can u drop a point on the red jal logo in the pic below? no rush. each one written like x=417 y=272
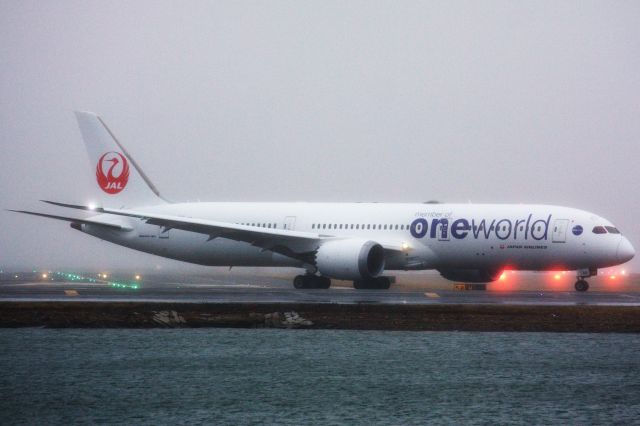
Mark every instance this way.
x=117 y=172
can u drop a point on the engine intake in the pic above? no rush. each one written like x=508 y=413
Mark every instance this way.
x=351 y=259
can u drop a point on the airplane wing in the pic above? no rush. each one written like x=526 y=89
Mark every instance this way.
x=295 y=244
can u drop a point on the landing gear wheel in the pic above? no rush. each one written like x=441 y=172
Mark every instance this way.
x=582 y=285
x=323 y=282
x=300 y=282
x=384 y=283
x=311 y=281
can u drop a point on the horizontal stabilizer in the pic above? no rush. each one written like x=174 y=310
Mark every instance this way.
x=75 y=220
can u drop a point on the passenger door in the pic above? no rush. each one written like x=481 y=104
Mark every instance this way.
x=290 y=223
x=560 y=230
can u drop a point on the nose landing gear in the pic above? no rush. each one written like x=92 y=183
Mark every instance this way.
x=582 y=284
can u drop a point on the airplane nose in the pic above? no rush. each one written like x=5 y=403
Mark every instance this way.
x=625 y=251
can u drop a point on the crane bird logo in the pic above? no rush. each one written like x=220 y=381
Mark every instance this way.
x=117 y=172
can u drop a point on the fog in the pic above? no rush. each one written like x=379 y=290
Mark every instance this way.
x=500 y=102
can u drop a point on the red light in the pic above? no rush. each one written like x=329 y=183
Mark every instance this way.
x=503 y=276
x=613 y=277
x=556 y=276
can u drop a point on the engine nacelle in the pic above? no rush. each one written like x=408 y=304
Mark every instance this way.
x=471 y=275
x=352 y=259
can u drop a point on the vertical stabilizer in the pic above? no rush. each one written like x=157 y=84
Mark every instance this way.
x=119 y=181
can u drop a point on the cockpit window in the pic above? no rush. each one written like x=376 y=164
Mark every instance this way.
x=599 y=230
x=612 y=229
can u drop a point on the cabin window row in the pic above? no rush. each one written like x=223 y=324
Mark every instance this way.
x=260 y=225
x=359 y=226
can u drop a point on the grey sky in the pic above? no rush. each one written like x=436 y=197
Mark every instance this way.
x=532 y=102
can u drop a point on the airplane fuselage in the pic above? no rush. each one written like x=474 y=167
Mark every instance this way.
x=483 y=236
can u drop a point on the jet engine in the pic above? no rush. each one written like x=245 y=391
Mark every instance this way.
x=351 y=259
x=471 y=275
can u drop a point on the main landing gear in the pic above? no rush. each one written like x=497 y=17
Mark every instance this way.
x=311 y=281
x=581 y=284
x=380 y=283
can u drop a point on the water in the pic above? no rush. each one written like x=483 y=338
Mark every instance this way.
x=229 y=376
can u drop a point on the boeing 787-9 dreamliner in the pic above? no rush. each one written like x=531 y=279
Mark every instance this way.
x=361 y=242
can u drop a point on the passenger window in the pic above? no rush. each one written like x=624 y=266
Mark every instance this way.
x=599 y=230
x=369 y=226
x=385 y=227
x=612 y=230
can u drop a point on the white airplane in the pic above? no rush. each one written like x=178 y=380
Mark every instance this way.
x=349 y=241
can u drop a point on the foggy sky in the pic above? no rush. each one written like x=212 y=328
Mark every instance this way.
x=510 y=102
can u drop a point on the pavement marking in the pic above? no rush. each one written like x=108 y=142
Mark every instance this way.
x=432 y=295
x=71 y=293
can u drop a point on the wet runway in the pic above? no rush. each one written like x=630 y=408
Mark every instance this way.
x=267 y=290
